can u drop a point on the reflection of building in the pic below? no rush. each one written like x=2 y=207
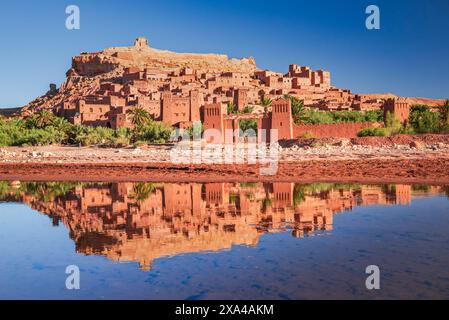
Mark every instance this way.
x=142 y=222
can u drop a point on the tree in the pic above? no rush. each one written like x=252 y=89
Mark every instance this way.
x=248 y=124
x=248 y=109
x=297 y=108
x=61 y=124
x=423 y=120
x=444 y=113
x=43 y=118
x=139 y=116
x=266 y=103
x=231 y=107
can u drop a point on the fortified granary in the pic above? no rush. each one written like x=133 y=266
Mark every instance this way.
x=180 y=89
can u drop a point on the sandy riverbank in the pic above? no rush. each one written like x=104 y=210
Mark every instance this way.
x=402 y=159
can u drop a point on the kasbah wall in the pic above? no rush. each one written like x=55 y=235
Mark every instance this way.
x=339 y=130
x=281 y=119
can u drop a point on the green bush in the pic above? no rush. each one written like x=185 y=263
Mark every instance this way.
x=423 y=120
x=393 y=125
x=328 y=117
x=45 y=129
x=374 y=132
x=153 y=132
x=249 y=124
x=306 y=135
x=248 y=109
x=94 y=136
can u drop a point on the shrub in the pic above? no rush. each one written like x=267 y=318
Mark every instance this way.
x=392 y=124
x=195 y=131
x=306 y=135
x=154 y=132
x=327 y=117
x=249 y=124
x=374 y=132
x=248 y=109
x=94 y=136
x=423 y=120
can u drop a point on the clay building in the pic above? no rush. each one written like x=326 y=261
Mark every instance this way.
x=180 y=89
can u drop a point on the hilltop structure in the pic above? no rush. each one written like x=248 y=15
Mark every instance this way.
x=181 y=88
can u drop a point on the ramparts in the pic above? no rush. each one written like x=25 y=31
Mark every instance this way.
x=339 y=130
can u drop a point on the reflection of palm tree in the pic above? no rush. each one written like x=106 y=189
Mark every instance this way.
x=143 y=190
x=267 y=203
x=446 y=190
x=47 y=191
x=299 y=194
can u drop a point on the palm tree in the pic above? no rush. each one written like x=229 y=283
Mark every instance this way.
x=61 y=124
x=43 y=118
x=31 y=122
x=266 y=103
x=444 y=112
x=231 y=107
x=139 y=116
x=297 y=108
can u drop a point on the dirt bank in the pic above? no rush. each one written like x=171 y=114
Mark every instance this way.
x=431 y=171
x=400 y=159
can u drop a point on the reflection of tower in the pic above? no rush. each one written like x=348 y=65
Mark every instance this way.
x=283 y=195
x=371 y=195
x=178 y=198
x=215 y=194
x=403 y=194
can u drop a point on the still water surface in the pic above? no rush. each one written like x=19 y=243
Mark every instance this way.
x=223 y=240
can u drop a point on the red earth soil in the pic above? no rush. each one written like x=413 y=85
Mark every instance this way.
x=430 y=171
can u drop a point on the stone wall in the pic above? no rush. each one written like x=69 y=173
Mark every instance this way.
x=340 y=130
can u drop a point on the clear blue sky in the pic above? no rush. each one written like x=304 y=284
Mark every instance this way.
x=408 y=56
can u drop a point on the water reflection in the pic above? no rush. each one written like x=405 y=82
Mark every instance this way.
x=145 y=221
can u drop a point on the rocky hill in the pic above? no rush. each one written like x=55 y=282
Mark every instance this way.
x=89 y=70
